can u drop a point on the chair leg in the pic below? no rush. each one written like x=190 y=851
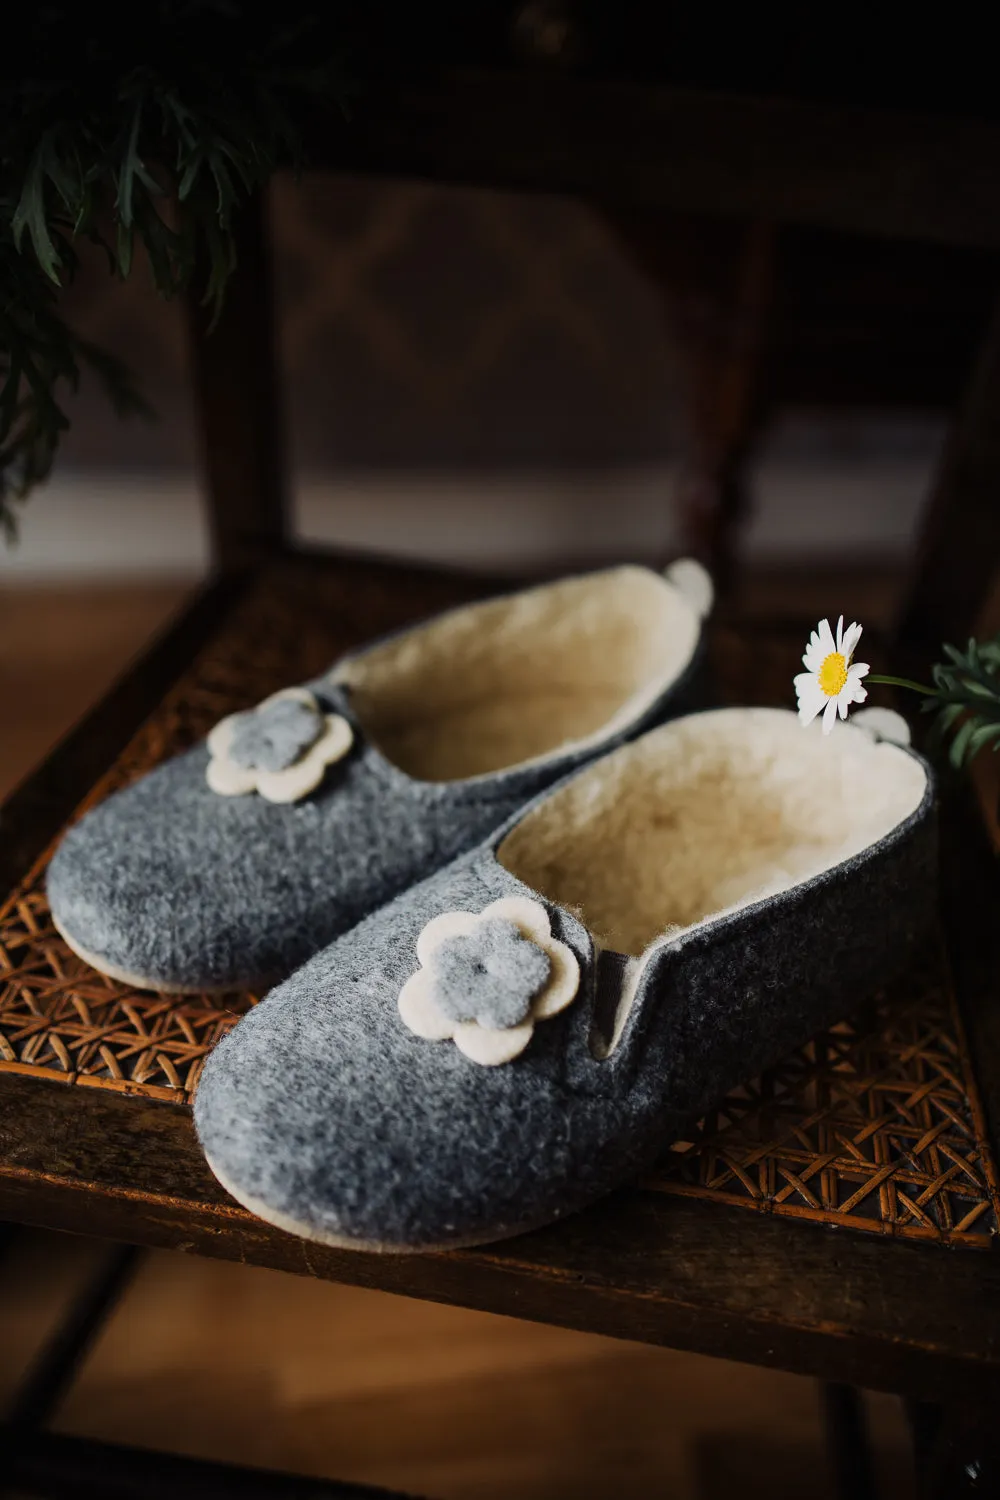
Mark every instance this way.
x=38 y=1462
x=956 y=1451
x=848 y=1442
x=56 y=1367
x=238 y=405
x=60 y=1467
x=716 y=280
x=958 y=552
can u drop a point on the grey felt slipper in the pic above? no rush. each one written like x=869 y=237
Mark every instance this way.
x=235 y=862
x=531 y=1025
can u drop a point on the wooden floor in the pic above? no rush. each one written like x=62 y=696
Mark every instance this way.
x=60 y=649
x=238 y=1363
x=233 y=1362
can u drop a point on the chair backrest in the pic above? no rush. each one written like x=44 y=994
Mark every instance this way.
x=239 y=406
x=958 y=552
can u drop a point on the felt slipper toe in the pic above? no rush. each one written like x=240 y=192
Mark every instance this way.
x=524 y=1030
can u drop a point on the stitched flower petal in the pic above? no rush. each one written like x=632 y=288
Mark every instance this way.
x=230 y=780
x=293 y=695
x=563 y=982
x=491 y=1048
x=298 y=781
x=337 y=740
x=419 y=1010
x=306 y=774
x=448 y=924
x=221 y=737
x=530 y=916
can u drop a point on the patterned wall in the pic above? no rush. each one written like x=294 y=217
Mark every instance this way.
x=421 y=327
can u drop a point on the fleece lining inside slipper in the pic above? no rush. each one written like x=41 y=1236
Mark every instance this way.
x=708 y=814
x=516 y=679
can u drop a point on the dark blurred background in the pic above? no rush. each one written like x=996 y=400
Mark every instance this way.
x=505 y=382
x=515 y=384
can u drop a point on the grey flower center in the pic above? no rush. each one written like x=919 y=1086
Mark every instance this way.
x=490 y=975
x=275 y=736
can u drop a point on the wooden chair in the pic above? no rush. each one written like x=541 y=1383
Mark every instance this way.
x=834 y=1218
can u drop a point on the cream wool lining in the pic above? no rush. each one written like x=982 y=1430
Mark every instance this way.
x=517 y=679
x=705 y=815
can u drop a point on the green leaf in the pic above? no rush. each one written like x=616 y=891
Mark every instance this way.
x=982 y=735
x=30 y=215
x=196 y=106
x=189 y=175
x=960 y=744
x=124 y=244
x=128 y=173
x=947 y=716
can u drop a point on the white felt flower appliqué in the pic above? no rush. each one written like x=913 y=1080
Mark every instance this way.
x=832 y=679
x=486 y=979
x=280 y=749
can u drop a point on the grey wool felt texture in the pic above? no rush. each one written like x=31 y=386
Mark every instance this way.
x=490 y=976
x=324 y=1114
x=456 y=724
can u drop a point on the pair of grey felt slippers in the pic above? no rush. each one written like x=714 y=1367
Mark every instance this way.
x=535 y=922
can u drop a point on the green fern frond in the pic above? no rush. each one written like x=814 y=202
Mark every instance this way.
x=966 y=700
x=150 y=133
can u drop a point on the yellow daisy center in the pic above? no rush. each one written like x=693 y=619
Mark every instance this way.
x=832 y=674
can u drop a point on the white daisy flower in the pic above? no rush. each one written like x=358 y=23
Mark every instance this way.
x=832 y=679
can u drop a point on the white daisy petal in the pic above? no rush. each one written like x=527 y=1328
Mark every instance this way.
x=810 y=697
x=491 y=1048
x=826 y=640
x=852 y=636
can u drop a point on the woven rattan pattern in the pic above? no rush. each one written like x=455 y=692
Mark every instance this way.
x=876 y=1125
x=61 y=1019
